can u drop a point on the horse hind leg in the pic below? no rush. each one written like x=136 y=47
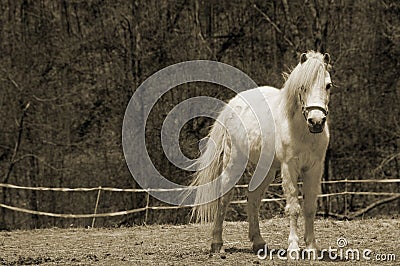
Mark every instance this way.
x=217 y=241
x=222 y=204
x=253 y=208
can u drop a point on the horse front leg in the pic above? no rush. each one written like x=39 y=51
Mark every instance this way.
x=290 y=188
x=253 y=208
x=311 y=189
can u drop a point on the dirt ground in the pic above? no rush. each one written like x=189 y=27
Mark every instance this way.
x=189 y=244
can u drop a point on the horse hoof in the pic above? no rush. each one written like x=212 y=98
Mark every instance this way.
x=216 y=247
x=257 y=247
x=313 y=246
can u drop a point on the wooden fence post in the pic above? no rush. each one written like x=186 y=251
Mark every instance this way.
x=95 y=207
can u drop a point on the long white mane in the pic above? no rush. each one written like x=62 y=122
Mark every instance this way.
x=302 y=77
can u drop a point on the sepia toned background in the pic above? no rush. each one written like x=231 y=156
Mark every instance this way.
x=69 y=68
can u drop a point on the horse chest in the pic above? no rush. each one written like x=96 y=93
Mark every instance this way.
x=301 y=152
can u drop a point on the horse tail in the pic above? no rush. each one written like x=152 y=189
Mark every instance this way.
x=209 y=166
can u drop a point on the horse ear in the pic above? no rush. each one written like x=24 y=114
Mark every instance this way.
x=303 y=58
x=327 y=58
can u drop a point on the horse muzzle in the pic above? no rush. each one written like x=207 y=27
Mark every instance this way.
x=316 y=117
x=316 y=125
x=315 y=129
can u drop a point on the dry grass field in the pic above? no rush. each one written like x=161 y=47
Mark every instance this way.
x=189 y=244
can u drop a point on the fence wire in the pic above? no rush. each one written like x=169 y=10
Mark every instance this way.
x=148 y=207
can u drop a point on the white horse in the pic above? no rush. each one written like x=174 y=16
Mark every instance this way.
x=299 y=111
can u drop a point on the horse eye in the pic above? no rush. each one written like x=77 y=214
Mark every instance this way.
x=328 y=86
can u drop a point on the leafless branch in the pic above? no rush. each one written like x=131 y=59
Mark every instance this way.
x=17 y=143
x=363 y=210
x=60 y=144
x=373 y=205
x=200 y=33
x=386 y=161
x=11 y=79
x=30 y=155
x=274 y=25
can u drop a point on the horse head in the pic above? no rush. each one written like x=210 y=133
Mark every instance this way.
x=314 y=90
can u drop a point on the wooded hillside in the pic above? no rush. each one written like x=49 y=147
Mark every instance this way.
x=69 y=68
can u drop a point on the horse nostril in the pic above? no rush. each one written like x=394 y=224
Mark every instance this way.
x=311 y=121
x=323 y=120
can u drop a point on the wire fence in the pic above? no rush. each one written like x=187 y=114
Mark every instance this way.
x=390 y=196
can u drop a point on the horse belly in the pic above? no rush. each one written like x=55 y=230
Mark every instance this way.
x=255 y=137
